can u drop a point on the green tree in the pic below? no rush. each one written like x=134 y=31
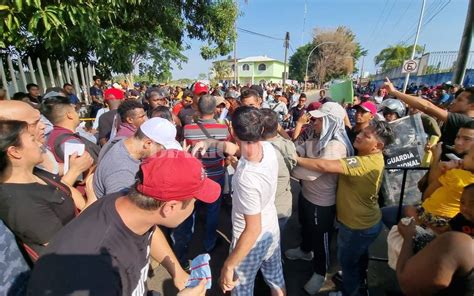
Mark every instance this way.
x=298 y=60
x=202 y=76
x=337 y=58
x=117 y=35
x=328 y=61
x=394 y=55
x=221 y=70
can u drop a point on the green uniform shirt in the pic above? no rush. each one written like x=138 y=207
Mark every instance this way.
x=357 y=191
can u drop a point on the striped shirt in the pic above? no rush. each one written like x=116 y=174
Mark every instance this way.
x=212 y=162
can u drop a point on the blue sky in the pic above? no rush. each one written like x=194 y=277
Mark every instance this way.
x=376 y=23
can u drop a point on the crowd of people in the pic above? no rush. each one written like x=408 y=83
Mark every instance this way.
x=93 y=218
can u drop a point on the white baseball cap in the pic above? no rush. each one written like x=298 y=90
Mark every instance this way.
x=161 y=131
x=329 y=108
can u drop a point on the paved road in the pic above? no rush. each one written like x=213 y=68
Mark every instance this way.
x=381 y=277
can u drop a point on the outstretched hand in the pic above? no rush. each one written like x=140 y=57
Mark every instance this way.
x=407 y=231
x=388 y=85
x=227 y=281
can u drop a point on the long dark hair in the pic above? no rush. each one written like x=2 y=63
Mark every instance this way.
x=10 y=131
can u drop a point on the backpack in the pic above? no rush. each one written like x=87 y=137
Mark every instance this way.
x=92 y=148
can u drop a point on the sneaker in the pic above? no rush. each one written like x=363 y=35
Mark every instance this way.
x=314 y=284
x=297 y=253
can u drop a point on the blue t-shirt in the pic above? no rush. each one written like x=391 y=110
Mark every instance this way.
x=95 y=91
x=73 y=99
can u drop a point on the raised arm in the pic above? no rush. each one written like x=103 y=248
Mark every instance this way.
x=417 y=103
x=321 y=165
x=432 y=269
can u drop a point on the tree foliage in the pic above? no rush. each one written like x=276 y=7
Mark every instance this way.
x=221 y=70
x=117 y=35
x=393 y=56
x=298 y=60
x=335 y=59
x=327 y=61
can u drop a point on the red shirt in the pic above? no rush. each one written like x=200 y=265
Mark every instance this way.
x=56 y=132
x=177 y=108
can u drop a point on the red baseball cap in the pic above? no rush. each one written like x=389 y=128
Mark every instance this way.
x=313 y=106
x=176 y=175
x=200 y=88
x=368 y=106
x=113 y=94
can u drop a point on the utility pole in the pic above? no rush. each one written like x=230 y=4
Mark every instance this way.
x=407 y=78
x=304 y=23
x=236 y=68
x=361 y=70
x=463 y=54
x=286 y=44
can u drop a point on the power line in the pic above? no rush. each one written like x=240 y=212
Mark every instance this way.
x=386 y=18
x=403 y=14
x=291 y=48
x=435 y=5
x=369 y=40
x=430 y=19
x=259 y=34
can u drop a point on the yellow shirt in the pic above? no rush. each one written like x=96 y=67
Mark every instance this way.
x=357 y=191
x=446 y=199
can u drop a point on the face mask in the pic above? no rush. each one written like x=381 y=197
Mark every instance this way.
x=270 y=98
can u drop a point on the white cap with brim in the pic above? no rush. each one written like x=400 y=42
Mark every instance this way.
x=161 y=131
x=329 y=108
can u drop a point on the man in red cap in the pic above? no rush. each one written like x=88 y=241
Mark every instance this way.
x=106 y=250
x=365 y=112
x=188 y=113
x=106 y=117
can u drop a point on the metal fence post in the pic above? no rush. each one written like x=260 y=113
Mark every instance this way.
x=74 y=77
x=67 y=71
x=50 y=73
x=60 y=74
x=4 y=79
x=22 y=72
x=32 y=71
x=85 y=94
x=12 y=72
x=40 y=71
x=91 y=74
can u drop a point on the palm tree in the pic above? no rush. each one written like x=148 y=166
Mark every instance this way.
x=221 y=70
x=393 y=56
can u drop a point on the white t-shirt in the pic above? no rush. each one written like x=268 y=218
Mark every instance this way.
x=255 y=185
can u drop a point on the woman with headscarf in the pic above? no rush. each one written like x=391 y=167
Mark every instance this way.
x=326 y=138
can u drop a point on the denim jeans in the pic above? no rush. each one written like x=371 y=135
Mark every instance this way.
x=353 y=246
x=182 y=234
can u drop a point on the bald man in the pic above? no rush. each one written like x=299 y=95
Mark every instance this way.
x=18 y=110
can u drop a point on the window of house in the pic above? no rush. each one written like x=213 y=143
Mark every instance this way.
x=246 y=67
x=262 y=67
